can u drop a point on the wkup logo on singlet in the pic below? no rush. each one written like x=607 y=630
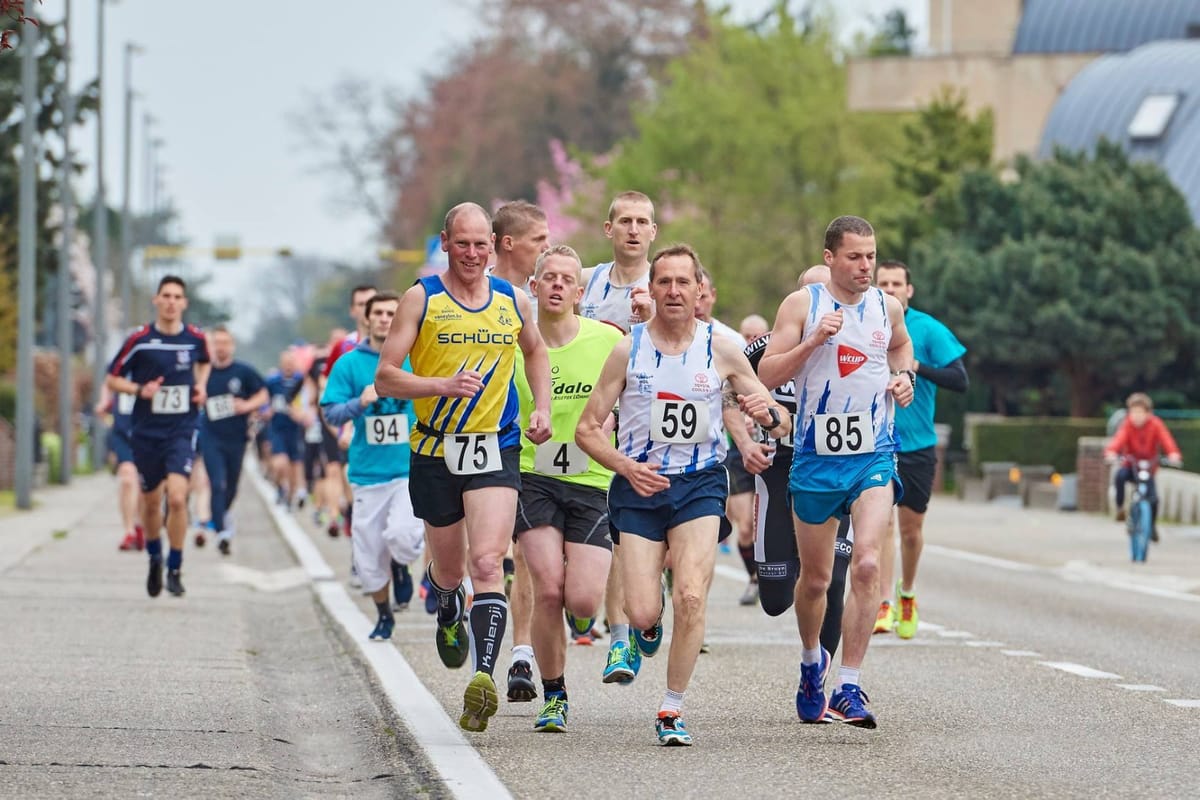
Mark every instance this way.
x=848 y=360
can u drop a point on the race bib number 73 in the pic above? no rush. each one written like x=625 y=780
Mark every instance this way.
x=843 y=434
x=171 y=400
x=678 y=421
x=472 y=453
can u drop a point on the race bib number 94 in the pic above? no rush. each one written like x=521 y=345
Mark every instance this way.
x=171 y=400
x=560 y=458
x=472 y=453
x=843 y=434
x=219 y=407
x=678 y=421
x=387 y=429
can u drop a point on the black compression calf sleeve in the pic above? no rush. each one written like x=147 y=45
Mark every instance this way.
x=746 y=551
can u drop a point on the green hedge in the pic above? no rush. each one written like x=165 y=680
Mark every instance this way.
x=1055 y=440
x=1032 y=440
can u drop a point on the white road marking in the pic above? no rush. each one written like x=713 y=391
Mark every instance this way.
x=726 y=571
x=1184 y=703
x=460 y=766
x=273 y=581
x=991 y=561
x=984 y=644
x=1080 y=670
x=1141 y=687
x=955 y=634
x=1022 y=653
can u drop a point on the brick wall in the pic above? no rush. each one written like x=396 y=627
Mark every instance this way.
x=1093 y=474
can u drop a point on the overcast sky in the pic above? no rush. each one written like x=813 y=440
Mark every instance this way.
x=222 y=78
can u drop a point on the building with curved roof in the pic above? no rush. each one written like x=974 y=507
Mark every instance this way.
x=1103 y=26
x=1148 y=100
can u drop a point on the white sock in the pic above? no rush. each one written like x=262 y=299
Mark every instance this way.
x=619 y=633
x=848 y=675
x=522 y=652
x=812 y=656
x=672 y=703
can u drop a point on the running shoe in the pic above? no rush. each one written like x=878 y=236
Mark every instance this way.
x=810 y=697
x=1121 y=514
x=140 y=537
x=671 y=730
x=649 y=640
x=580 y=629
x=553 y=716
x=175 y=582
x=129 y=543
x=200 y=538
x=508 y=584
x=849 y=704
x=154 y=581
x=402 y=585
x=619 y=668
x=906 y=625
x=453 y=645
x=885 y=620
x=223 y=546
x=430 y=596
x=480 y=702
x=383 y=629
x=520 y=683
x=335 y=528
x=750 y=596
x=355 y=581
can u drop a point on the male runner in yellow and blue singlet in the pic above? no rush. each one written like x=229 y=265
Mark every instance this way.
x=461 y=331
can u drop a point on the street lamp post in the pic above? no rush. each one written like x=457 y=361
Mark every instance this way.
x=99 y=246
x=66 y=386
x=27 y=253
x=125 y=275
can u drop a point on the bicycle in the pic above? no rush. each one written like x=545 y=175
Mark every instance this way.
x=1140 y=522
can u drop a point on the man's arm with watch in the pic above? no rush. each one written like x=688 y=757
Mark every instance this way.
x=123 y=385
x=953 y=376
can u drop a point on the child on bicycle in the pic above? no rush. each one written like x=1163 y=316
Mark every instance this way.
x=1142 y=436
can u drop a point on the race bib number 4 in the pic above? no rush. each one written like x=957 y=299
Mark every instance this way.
x=387 y=429
x=472 y=453
x=219 y=407
x=560 y=458
x=171 y=400
x=843 y=434
x=678 y=421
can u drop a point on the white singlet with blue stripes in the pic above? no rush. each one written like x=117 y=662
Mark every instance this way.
x=607 y=302
x=848 y=375
x=671 y=405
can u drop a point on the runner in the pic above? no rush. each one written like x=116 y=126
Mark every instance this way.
x=463 y=329
x=848 y=370
x=937 y=360
x=753 y=327
x=165 y=364
x=617 y=292
x=670 y=483
x=521 y=236
x=120 y=451
x=285 y=425
x=387 y=537
x=562 y=513
x=235 y=390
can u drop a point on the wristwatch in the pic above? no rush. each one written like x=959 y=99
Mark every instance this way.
x=775 y=420
x=912 y=376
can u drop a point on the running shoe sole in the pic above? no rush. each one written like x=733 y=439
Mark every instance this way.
x=480 y=701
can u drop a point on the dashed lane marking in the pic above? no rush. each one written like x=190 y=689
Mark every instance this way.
x=1184 y=703
x=1022 y=653
x=984 y=644
x=1080 y=670
x=1141 y=687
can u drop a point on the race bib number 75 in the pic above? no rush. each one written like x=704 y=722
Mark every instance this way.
x=843 y=434
x=472 y=453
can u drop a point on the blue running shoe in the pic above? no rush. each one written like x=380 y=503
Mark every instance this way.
x=383 y=629
x=849 y=704
x=553 y=716
x=580 y=628
x=649 y=640
x=430 y=596
x=619 y=669
x=811 y=703
x=671 y=730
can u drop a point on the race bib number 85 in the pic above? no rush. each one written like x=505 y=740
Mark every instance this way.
x=678 y=421
x=171 y=400
x=472 y=453
x=843 y=434
x=219 y=407
x=387 y=429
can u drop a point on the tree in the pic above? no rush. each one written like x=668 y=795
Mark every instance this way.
x=749 y=153
x=13 y=12
x=1085 y=267
x=893 y=35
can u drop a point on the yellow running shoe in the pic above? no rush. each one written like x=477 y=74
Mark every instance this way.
x=906 y=625
x=480 y=701
x=885 y=620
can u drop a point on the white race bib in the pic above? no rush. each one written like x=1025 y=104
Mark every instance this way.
x=279 y=404
x=843 y=434
x=386 y=429
x=560 y=458
x=472 y=453
x=125 y=403
x=171 y=400
x=219 y=407
x=679 y=421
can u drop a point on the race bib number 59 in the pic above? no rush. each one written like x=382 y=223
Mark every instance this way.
x=472 y=453
x=678 y=421
x=843 y=434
